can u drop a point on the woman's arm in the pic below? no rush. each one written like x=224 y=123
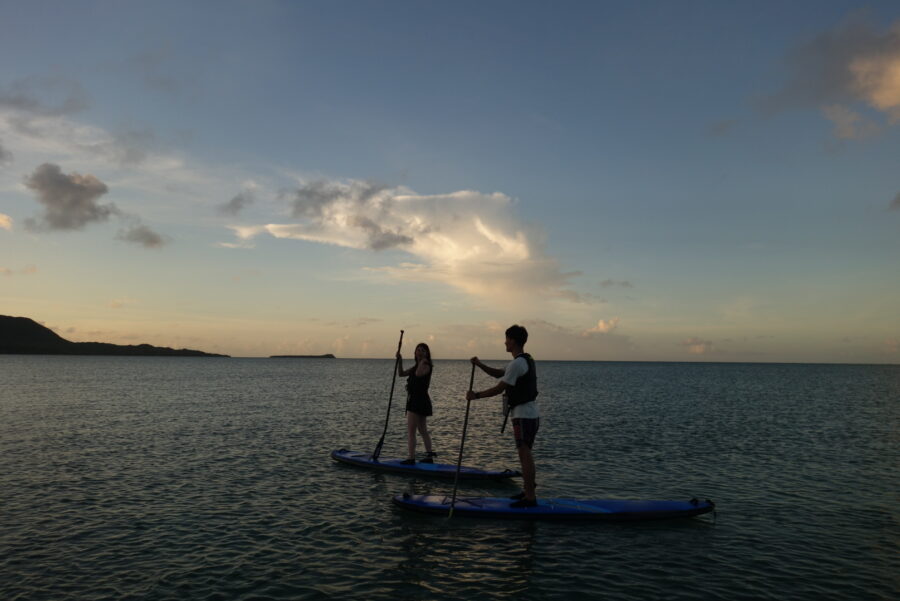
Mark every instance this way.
x=422 y=368
x=400 y=370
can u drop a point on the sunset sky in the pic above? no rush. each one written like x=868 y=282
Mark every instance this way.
x=661 y=181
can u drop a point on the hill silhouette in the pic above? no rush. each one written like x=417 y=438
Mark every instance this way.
x=21 y=335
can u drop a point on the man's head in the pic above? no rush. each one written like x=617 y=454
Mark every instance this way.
x=516 y=337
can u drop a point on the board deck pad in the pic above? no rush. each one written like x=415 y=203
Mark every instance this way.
x=438 y=470
x=556 y=508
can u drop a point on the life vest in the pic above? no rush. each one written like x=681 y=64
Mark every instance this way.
x=525 y=389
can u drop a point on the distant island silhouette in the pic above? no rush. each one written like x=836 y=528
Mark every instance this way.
x=325 y=356
x=24 y=336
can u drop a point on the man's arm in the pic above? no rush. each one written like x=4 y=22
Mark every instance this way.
x=491 y=371
x=492 y=391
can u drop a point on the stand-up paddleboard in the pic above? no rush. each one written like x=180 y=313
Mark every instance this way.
x=556 y=509
x=437 y=470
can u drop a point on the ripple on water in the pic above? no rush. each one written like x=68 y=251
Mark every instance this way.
x=211 y=480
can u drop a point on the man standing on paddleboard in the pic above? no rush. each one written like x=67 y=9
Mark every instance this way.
x=518 y=383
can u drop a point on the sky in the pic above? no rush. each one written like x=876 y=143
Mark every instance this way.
x=631 y=181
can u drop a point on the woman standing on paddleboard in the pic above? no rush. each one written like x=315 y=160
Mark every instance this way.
x=418 y=403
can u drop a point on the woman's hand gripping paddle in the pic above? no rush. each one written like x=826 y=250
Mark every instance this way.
x=380 y=444
x=462 y=442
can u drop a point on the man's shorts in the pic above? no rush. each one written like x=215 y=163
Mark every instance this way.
x=524 y=430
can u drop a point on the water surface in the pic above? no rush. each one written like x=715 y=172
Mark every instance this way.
x=199 y=478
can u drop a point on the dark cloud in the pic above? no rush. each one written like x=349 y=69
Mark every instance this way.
x=44 y=96
x=161 y=71
x=234 y=206
x=359 y=203
x=721 y=128
x=895 y=204
x=70 y=200
x=143 y=235
x=378 y=238
x=313 y=199
x=127 y=147
x=6 y=156
x=826 y=70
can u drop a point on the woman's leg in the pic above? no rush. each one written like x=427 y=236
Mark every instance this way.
x=423 y=430
x=412 y=423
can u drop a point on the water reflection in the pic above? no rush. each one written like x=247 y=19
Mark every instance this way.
x=471 y=557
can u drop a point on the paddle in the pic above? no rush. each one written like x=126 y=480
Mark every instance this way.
x=390 y=400
x=462 y=442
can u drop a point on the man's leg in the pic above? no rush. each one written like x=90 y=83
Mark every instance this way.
x=526 y=458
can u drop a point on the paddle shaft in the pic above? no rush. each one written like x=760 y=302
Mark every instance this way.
x=380 y=444
x=462 y=443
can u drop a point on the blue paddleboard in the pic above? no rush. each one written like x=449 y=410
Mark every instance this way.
x=556 y=509
x=438 y=470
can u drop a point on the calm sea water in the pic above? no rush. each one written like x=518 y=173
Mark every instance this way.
x=182 y=478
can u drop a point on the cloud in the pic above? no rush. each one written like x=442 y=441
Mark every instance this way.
x=696 y=346
x=6 y=156
x=245 y=235
x=27 y=270
x=364 y=208
x=234 y=206
x=70 y=201
x=5 y=222
x=581 y=297
x=467 y=239
x=602 y=327
x=895 y=204
x=49 y=96
x=159 y=70
x=854 y=63
x=359 y=322
x=141 y=234
x=848 y=124
x=620 y=283
x=723 y=127
x=118 y=303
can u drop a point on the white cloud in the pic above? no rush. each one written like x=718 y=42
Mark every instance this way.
x=129 y=161
x=467 y=239
x=603 y=326
x=118 y=303
x=696 y=346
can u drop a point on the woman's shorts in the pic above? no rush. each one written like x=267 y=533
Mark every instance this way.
x=422 y=406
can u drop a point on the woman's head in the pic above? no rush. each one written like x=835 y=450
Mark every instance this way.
x=423 y=352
